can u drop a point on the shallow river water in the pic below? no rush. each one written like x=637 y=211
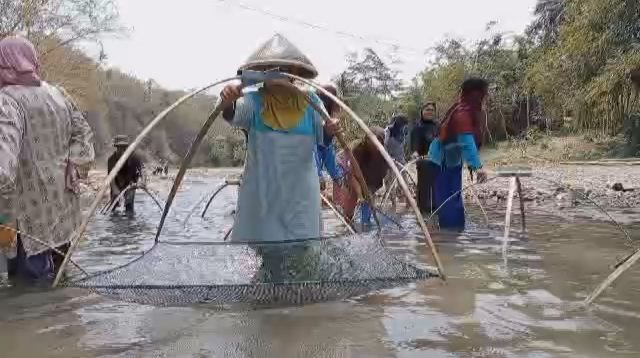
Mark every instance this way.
x=529 y=306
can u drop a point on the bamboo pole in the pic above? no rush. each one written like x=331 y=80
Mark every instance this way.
x=612 y=277
x=338 y=214
x=522 y=214
x=507 y=218
x=186 y=162
x=75 y=238
x=213 y=196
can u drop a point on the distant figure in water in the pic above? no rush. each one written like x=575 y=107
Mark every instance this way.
x=458 y=142
x=46 y=146
x=130 y=174
x=279 y=196
x=394 y=142
x=374 y=169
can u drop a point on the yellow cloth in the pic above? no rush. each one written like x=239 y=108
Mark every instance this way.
x=282 y=109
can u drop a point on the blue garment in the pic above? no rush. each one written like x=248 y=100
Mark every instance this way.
x=365 y=213
x=35 y=269
x=455 y=152
x=326 y=159
x=450 y=158
x=278 y=199
x=449 y=183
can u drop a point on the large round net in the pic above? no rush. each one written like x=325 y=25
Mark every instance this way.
x=274 y=273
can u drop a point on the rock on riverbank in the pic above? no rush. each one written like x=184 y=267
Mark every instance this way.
x=574 y=185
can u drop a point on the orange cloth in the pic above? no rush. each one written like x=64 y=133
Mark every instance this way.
x=7 y=236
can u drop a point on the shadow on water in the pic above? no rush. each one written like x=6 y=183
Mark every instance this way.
x=530 y=307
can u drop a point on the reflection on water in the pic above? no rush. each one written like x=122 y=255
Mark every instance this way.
x=529 y=307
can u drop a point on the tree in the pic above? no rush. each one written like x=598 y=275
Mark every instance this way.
x=550 y=15
x=51 y=24
x=370 y=87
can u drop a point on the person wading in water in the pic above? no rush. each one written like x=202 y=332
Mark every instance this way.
x=459 y=140
x=394 y=142
x=279 y=196
x=131 y=173
x=423 y=133
x=46 y=145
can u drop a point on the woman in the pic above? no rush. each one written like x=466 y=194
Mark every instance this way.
x=278 y=199
x=374 y=169
x=422 y=135
x=44 y=139
x=459 y=140
x=394 y=141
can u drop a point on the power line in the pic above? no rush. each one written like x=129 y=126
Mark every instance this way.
x=310 y=25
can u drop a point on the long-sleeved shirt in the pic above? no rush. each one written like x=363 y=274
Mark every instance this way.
x=422 y=134
x=41 y=130
x=130 y=173
x=458 y=143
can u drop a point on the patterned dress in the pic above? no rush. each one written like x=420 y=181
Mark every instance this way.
x=41 y=130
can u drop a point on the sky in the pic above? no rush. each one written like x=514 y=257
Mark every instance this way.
x=189 y=43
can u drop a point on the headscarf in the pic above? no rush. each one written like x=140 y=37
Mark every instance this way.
x=19 y=63
x=425 y=105
x=469 y=121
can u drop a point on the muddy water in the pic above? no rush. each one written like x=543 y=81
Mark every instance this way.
x=526 y=307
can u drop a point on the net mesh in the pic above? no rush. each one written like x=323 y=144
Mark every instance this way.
x=276 y=273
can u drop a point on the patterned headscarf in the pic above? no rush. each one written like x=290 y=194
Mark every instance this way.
x=19 y=63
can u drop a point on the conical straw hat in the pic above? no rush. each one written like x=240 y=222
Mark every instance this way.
x=280 y=52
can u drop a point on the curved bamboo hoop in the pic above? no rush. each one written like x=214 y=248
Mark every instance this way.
x=390 y=163
x=75 y=239
x=404 y=169
x=226 y=236
x=202 y=199
x=206 y=207
x=133 y=186
x=107 y=208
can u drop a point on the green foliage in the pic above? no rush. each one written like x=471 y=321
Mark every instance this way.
x=370 y=87
x=586 y=73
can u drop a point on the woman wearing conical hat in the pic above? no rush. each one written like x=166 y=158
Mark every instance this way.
x=279 y=197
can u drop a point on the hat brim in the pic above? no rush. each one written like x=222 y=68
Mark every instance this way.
x=304 y=70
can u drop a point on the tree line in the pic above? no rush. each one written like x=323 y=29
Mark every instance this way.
x=569 y=71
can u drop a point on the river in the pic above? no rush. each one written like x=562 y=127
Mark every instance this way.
x=529 y=306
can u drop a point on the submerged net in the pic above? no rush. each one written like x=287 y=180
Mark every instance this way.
x=275 y=273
